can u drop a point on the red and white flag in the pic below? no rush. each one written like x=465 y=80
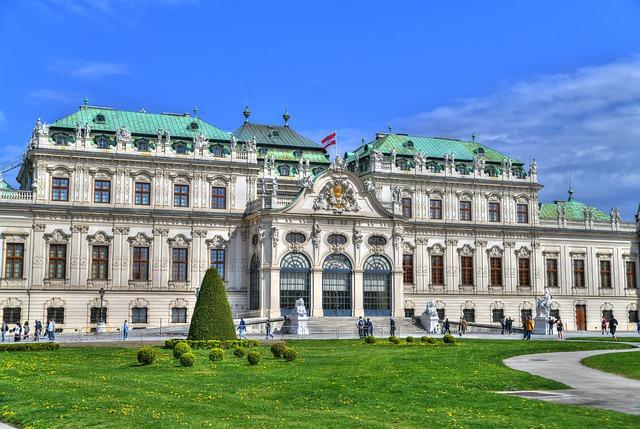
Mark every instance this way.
x=329 y=140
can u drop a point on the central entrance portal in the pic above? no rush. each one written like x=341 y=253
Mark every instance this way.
x=336 y=286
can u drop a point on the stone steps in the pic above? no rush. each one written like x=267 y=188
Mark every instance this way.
x=347 y=326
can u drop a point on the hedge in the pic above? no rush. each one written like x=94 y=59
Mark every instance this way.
x=28 y=347
x=213 y=344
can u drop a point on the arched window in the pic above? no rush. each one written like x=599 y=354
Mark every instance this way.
x=181 y=148
x=336 y=285
x=217 y=150
x=336 y=239
x=295 y=238
x=284 y=170
x=377 y=286
x=102 y=142
x=377 y=240
x=142 y=145
x=254 y=283
x=295 y=282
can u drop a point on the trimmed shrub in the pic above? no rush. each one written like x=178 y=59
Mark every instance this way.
x=211 y=318
x=187 y=359
x=253 y=357
x=146 y=355
x=28 y=347
x=394 y=340
x=252 y=343
x=424 y=338
x=216 y=355
x=449 y=339
x=168 y=344
x=289 y=354
x=370 y=339
x=238 y=352
x=277 y=349
x=181 y=348
x=409 y=339
x=429 y=340
x=209 y=344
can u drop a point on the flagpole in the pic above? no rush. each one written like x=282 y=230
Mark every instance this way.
x=336 y=143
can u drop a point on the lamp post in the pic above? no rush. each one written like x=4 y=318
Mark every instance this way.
x=101 y=326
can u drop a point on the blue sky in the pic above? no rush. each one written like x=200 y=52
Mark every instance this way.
x=555 y=81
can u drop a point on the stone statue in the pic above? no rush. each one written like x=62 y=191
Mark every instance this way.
x=357 y=237
x=431 y=309
x=275 y=186
x=123 y=135
x=315 y=233
x=251 y=145
x=233 y=143
x=300 y=308
x=533 y=167
x=369 y=186
x=306 y=181
x=397 y=192
x=394 y=154
x=543 y=305
x=299 y=319
x=377 y=155
x=261 y=233
x=429 y=319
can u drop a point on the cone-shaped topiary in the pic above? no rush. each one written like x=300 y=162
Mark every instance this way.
x=211 y=318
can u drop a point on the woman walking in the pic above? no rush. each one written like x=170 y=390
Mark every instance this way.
x=560 y=329
x=25 y=330
x=17 y=332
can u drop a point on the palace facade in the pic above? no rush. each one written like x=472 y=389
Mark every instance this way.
x=138 y=205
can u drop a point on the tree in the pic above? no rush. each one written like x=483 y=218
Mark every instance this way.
x=211 y=318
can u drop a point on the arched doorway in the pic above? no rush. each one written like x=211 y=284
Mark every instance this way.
x=295 y=282
x=254 y=283
x=336 y=286
x=377 y=286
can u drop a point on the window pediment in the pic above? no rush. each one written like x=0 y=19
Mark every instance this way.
x=140 y=239
x=495 y=251
x=217 y=242
x=99 y=237
x=436 y=249
x=179 y=241
x=57 y=236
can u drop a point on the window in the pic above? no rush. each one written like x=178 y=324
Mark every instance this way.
x=466 y=270
x=218 y=198
x=60 y=189
x=497 y=314
x=217 y=150
x=555 y=313
x=605 y=274
x=496 y=271
x=578 y=273
x=524 y=269
x=607 y=314
x=523 y=213
x=139 y=314
x=14 y=261
x=435 y=208
x=633 y=316
x=100 y=263
x=56 y=314
x=406 y=207
x=631 y=274
x=178 y=315
x=284 y=170
x=140 y=263
x=465 y=210
x=336 y=239
x=142 y=145
x=552 y=273
x=469 y=314
x=95 y=315
x=377 y=240
x=179 y=264
x=103 y=142
x=407 y=268
x=217 y=261
x=525 y=314
x=181 y=195
x=99 y=119
x=437 y=269
x=57 y=261
x=181 y=148
x=143 y=194
x=295 y=238
x=494 y=212
x=61 y=139
x=102 y=191
x=11 y=315
x=193 y=126
x=441 y=313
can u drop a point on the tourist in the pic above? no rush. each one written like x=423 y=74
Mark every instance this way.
x=125 y=331
x=360 y=325
x=551 y=323
x=269 y=334
x=38 y=331
x=528 y=328
x=369 y=327
x=503 y=323
x=509 y=323
x=603 y=326
x=242 y=329
x=464 y=325
x=613 y=325
x=447 y=327
x=392 y=327
x=51 y=330
x=25 y=330
x=560 y=329
x=638 y=326
x=4 y=329
x=17 y=331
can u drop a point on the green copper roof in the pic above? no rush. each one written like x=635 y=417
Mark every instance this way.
x=573 y=210
x=142 y=123
x=273 y=135
x=4 y=185
x=281 y=154
x=432 y=147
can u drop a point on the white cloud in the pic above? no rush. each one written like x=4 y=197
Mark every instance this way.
x=88 y=70
x=585 y=123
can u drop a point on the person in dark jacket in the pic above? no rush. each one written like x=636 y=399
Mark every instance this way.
x=369 y=327
x=360 y=325
x=447 y=327
x=392 y=327
x=613 y=326
x=509 y=323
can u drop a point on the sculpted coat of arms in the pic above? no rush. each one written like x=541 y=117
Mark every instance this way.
x=337 y=195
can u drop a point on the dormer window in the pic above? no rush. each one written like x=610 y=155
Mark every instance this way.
x=297 y=153
x=480 y=151
x=217 y=150
x=61 y=139
x=275 y=133
x=103 y=142
x=142 y=145
x=284 y=170
x=99 y=119
x=181 y=148
x=193 y=126
x=263 y=151
x=409 y=144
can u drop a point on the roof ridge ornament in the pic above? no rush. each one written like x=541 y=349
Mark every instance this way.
x=246 y=113
x=286 y=116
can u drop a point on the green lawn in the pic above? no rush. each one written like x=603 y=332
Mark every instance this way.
x=626 y=364
x=332 y=384
x=606 y=338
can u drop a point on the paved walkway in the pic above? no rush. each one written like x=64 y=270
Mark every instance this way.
x=590 y=387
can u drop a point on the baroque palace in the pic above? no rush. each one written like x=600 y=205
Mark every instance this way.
x=138 y=205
